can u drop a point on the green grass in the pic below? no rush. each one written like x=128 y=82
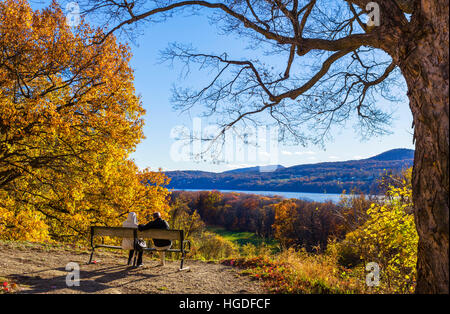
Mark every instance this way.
x=241 y=238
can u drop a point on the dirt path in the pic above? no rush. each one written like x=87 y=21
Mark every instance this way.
x=40 y=269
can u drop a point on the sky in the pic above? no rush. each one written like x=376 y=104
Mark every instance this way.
x=153 y=82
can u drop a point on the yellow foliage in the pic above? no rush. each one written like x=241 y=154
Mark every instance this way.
x=69 y=121
x=389 y=238
x=285 y=217
x=210 y=246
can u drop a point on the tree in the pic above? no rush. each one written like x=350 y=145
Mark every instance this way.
x=69 y=119
x=285 y=228
x=353 y=62
x=182 y=218
x=389 y=236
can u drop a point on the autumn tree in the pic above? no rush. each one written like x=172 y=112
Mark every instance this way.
x=352 y=210
x=284 y=226
x=307 y=225
x=389 y=236
x=183 y=218
x=69 y=119
x=340 y=58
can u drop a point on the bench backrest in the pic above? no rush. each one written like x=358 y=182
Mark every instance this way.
x=122 y=232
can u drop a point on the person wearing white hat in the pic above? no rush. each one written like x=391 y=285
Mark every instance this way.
x=128 y=243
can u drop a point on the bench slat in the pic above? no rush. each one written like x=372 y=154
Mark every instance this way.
x=168 y=250
x=160 y=234
x=108 y=246
x=114 y=232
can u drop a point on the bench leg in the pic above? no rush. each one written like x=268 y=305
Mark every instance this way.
x=90 y=258
x=181 y=265
x=163 y=258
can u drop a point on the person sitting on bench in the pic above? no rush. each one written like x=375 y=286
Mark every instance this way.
x=160 y=244
x=128 y=243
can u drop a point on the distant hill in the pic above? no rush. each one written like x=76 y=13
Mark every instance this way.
x=325 y=177
x=395 y=154
x=255 y=169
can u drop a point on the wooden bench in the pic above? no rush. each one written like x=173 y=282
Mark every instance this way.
x=134 y=233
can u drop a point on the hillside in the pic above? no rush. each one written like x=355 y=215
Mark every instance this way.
x=329 y=177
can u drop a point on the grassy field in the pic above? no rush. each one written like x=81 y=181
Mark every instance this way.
x=243 y=238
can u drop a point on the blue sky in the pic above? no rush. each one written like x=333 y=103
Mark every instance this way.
x=153 y=82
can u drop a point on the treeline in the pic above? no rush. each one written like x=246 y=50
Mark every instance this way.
x=295 y=223
x=234 y=211
x=328 y=183
x=329 y=177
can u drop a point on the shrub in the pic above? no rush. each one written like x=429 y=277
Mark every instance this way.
x=298 y=272
x=248 y=250
x=212 y=247
x=345 y=253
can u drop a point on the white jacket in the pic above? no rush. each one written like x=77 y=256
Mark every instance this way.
x=131 y=222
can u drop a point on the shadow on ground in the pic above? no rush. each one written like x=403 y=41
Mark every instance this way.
x=91 y=281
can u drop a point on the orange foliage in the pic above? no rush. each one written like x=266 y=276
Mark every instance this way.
x=69 y=119
x=285 y=219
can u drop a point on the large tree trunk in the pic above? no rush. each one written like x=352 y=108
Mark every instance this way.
x=425 y=66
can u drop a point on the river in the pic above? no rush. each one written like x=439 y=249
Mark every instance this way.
x=315 y=197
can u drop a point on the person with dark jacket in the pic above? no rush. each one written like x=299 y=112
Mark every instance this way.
x=160 y=244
